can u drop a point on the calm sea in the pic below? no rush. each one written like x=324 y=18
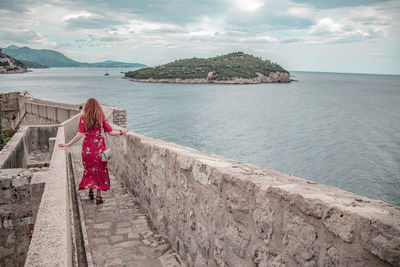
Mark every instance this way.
x=341 y=130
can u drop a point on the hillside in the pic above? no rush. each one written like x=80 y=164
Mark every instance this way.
x=33 y=65
x=113 y=64
x=235 y=67
x=10 y=65
x=49 y=58
x=52 y=58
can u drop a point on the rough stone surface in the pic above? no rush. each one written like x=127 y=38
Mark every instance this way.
x=298 y=239
x=15 y=216
x=219 y=212
x=340 y=224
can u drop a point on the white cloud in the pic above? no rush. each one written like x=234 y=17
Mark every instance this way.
x=259 y=26
x=301 y=11
x=77 y=15
x=249 y=5
x=267 y=39
x=325 y=25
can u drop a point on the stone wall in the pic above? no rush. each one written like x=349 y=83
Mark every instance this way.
x=220 y=212
x=16 y=218
x=51 y=243
x=10 y=109
x=46 y=114
x=115 y=115
x=27 y=139
x=23 y=109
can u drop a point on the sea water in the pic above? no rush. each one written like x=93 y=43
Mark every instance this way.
x=341 y=130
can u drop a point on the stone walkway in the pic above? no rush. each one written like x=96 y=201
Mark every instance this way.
x=118 y=232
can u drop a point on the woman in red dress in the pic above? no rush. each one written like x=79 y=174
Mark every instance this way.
x=95 y=175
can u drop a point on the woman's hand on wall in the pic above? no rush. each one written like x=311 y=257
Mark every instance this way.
x=63 y=145
x=119 y=132
x=123 y=131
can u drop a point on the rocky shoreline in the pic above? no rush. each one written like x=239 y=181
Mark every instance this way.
x=10 y=65
x=273 y=77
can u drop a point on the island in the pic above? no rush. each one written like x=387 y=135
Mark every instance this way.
x=232 y=68
x=10 y=65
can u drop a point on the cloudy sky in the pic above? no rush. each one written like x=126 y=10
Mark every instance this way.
x=361 y=36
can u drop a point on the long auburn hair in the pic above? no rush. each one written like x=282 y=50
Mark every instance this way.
x=93 y=114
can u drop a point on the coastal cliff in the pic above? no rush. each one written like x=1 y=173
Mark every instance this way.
x=233 y=68
x=10 y=65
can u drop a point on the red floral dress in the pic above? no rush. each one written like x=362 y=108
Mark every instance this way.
x=95 y=175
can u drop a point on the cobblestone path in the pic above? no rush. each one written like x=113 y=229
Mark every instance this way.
x=119 y=234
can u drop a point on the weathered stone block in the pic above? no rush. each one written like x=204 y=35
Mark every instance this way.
x=339 y=258
x=312 y=207
x=298 y=239
x=8 y=224
x=200 y=260
x=382 y=241
x=5 y=252
x=190 y=243
x=5 y=183
x=263 y=217
x=10 y=239
x=239 y=196
x=219 y=251
x=201 y=173
x=264 y=258
x=237 y=238
x=203 y=239
x=340 y=223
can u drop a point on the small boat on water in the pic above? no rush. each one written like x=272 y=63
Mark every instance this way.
x=106 y=74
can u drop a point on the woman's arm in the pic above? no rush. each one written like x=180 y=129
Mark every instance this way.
x=76 y=138
x=120 y=132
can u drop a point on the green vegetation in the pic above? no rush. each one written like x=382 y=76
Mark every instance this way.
x=224 y=67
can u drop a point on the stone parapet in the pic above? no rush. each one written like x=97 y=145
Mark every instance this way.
x=221 y=212
x=115 y=115
x=15 y=216
x=10 y=109
x=71 y=126
x=22 y=108
x=51 y=243
x=51 y=114
x=27 y=139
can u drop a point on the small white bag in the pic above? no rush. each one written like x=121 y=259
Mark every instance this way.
x=106 y=155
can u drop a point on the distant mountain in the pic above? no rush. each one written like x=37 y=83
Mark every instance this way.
x=44 y=57
x=114 y=64
x=51 y=58
x=33 y=65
